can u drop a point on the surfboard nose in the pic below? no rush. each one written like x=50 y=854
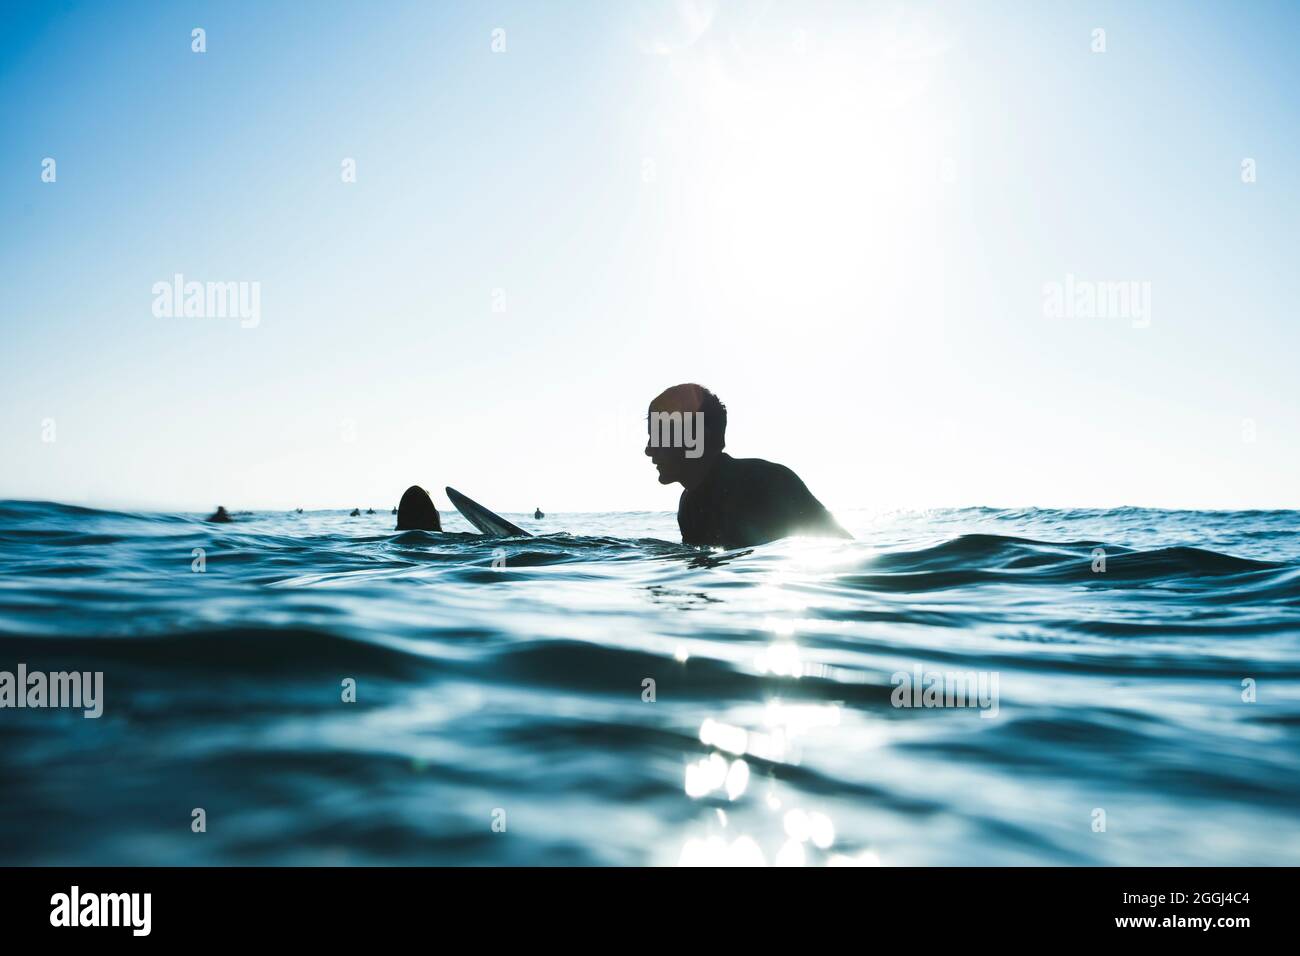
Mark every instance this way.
x=482 y=519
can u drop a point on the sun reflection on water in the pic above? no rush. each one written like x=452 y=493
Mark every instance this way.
x=784 y=833
x=801 y=836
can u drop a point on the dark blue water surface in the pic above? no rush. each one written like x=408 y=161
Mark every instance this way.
x=503 y=713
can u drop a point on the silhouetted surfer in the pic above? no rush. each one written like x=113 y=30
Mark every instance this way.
x=537 y=515
x=415 y=512
x=356 y=513
x=727 y=502
x=221 y=515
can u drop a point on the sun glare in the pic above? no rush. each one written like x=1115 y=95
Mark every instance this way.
x=805 y=161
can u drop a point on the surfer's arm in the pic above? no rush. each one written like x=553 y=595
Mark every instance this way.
x=803 y=513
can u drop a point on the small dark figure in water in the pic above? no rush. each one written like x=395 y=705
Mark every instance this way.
x=370 y=511
x=299 y=511
x=394 y=509
x=415 y=512
x=221 y=515
x=356 y=513
x=537 y=515
x=727 y=502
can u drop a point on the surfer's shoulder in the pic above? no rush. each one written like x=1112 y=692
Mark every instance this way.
x=760 y=469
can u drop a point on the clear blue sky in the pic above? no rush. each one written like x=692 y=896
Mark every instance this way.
x=840 y=216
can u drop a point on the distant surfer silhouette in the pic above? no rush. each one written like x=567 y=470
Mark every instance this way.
x=356 y=513
x=415 y=512
x=537 y=515
x=221 y=515
x=726 y=502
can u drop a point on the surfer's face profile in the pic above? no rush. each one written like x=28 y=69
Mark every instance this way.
x=668 y=461
x=685 y=433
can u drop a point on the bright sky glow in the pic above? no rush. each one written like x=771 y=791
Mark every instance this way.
x=839 y=216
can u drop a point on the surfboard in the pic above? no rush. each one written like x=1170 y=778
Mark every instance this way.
x=484 y=520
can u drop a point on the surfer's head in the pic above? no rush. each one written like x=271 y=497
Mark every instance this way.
x=687 y=427
x=415 y=512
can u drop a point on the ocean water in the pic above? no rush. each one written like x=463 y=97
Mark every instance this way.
x=1139 y=669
